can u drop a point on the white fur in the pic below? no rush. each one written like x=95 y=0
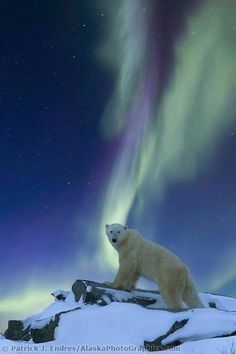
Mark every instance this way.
x=140 y=257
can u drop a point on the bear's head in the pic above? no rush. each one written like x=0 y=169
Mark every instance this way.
x=116 y=234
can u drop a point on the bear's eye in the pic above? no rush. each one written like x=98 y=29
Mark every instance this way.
x=111 y=231
x=118 y=232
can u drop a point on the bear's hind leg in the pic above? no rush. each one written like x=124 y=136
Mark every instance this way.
x=172 y=289
x=172 y=300
x=190 y=296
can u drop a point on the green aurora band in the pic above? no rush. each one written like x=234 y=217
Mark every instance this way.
x=170 y=139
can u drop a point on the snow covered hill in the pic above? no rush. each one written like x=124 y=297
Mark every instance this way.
x=94 y=318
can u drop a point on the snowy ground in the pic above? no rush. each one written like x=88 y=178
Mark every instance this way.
x=123 y=327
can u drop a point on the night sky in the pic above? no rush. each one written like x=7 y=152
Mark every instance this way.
x=114 y=111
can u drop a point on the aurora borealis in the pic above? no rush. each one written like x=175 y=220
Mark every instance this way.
x=115 y=111
x=168 y=139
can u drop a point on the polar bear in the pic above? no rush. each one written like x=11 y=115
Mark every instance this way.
x=140 y=257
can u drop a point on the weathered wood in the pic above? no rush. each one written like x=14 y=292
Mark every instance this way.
x=46 y=333
x=98 y=293
x=157 y=345
x=16 y=331
x=89 y=292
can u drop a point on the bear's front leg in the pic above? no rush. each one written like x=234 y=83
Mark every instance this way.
x=126 y=277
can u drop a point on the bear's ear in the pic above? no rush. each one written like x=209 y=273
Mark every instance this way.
x=126 y=227
x=107 y=225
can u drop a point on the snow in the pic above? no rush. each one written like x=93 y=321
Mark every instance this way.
x=204 y=323
x=56 y=307
x=123 y=327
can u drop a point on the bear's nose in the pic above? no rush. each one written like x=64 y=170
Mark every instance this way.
x=114 y=240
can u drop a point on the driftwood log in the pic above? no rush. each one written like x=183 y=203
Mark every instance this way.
x=90 y=292
x=85 y=292
x=97 y=293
